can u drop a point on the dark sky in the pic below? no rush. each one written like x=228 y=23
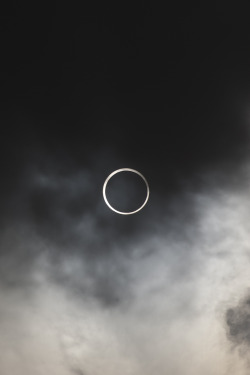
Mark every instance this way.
x=161 y=95
x=152 y=90
x=84 y=93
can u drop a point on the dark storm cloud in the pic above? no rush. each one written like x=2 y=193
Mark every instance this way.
x=238 y=322
x=58 y=206
x=58 y=211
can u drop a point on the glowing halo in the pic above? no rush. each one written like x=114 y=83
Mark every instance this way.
x=105 y=185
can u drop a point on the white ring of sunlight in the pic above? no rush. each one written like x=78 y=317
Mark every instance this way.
x=105 y=185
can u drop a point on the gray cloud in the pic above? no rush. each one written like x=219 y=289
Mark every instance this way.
x=238 y=322
x=95 y=292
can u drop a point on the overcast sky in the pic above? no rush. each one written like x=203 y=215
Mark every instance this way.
x=84 y=290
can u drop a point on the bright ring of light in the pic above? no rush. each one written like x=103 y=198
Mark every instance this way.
x=105 y=185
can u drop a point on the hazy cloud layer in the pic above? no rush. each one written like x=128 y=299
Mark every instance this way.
x=84 y=291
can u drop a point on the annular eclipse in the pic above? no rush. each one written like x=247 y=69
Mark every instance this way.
x=106 y=183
